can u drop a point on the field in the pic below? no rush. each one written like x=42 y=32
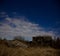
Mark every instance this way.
x=30 y=51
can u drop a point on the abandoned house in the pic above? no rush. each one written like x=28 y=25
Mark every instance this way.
x=42 y=40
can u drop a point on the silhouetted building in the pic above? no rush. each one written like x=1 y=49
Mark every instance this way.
x=42 y=40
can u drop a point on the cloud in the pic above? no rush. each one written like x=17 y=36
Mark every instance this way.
x=3 y=14
x=18 y=27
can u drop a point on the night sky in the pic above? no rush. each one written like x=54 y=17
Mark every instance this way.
x=46 y=13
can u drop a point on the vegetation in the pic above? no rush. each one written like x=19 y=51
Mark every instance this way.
x=20 y=38
x=32 y=51
x=37 y=47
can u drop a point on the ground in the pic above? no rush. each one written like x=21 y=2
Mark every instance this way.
x=30 y=51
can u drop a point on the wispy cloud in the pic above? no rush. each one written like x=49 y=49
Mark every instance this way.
x=3 y=14
x=18 y=27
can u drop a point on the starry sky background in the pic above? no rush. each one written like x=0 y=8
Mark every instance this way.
x=46 y=13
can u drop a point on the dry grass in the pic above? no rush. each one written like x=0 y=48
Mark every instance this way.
x=31 y=51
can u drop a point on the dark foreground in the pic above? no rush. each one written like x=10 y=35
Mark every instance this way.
x=29 y=51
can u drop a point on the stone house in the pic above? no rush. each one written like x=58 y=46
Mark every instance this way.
x=42 y=40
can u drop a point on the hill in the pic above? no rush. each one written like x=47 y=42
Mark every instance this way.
x=29 y=51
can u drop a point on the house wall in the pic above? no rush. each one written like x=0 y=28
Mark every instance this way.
x=42 y=40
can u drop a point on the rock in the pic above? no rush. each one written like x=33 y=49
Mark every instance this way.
x=16 y=43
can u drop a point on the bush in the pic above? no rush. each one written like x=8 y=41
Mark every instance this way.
x=0 y=38
x=19 y=38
